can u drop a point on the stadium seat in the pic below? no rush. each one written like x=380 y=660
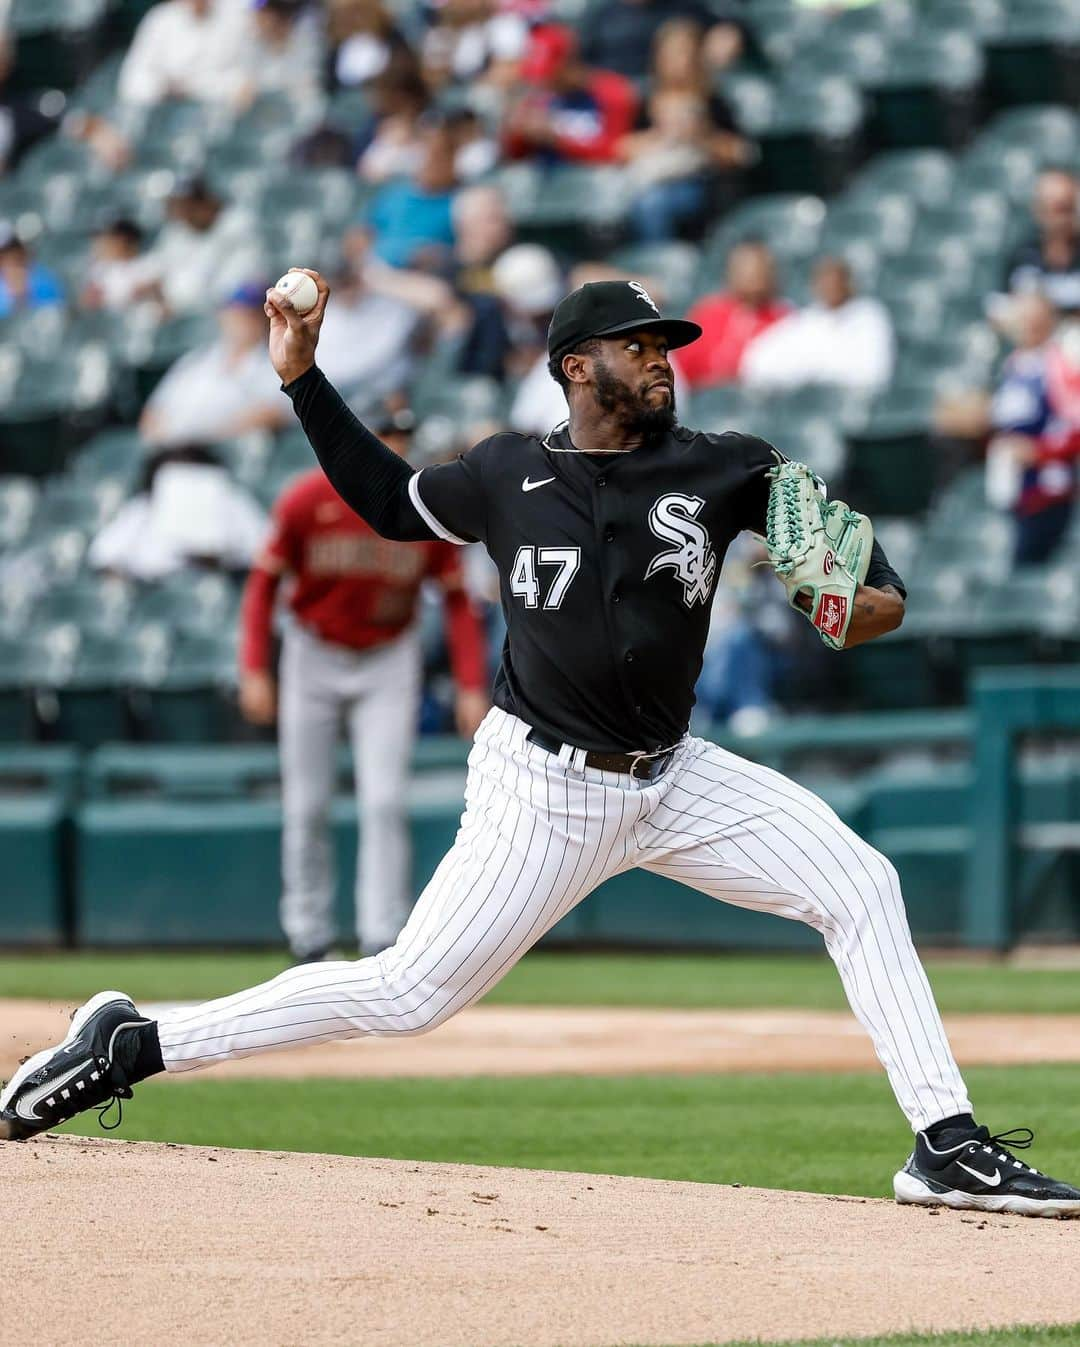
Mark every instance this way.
x=673 y=268
x=111 y=455
x=18 y=501
x=201 y=604
x=1032 y=57
x=97 y=605
x=186 y=701
x=925 y=175
x=790 y=224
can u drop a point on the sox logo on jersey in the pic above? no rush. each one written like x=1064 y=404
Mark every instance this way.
x=674 y=519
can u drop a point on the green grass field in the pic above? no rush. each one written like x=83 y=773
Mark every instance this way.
x=817 y=1133
x=543 y=978
x=1064 y=1335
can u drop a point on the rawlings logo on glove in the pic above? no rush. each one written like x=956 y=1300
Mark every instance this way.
x=816 y=547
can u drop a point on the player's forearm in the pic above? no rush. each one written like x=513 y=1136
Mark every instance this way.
x=256 y=620
x=465 y=642
x=874 y=612
x=369 y=477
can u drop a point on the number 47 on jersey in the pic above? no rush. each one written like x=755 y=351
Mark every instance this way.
x=524 y=583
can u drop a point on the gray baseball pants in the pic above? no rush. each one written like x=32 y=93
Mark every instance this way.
x=375 y=695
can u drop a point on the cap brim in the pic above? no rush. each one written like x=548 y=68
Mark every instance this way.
x=679 y=331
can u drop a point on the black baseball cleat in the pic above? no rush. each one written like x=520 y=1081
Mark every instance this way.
x=978 y=1173
x=88 y=1070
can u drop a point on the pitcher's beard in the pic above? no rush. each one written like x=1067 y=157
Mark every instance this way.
x=618 y=399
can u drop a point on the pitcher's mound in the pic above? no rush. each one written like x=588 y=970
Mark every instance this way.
x=127 y=1243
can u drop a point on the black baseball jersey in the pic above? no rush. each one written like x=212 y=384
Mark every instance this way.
x=608 y=563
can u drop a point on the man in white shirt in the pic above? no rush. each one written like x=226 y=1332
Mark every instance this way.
x=205 y=251
x=366 y=346
x=185 y=49
x=840 y=339
x=225 y=389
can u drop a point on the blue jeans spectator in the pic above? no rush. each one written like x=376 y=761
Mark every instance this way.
x=661 y=211
x=738 y=672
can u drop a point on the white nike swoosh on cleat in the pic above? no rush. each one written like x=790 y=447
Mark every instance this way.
x=26 y=1105
x=992 y=1179
x=531 y=486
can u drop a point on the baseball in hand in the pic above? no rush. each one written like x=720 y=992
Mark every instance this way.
x=299 y=289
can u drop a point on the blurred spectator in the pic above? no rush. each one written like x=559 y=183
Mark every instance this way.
x=364 y=370
x=185 y=49
x=672 y=164
x=1031 y=459
x=119 y=273
x=24 y=283
x=366 y=42
x=1050 y=260
x=840 y=339
x=731 y=320
x=185 y=512
x=205 y=250
x=351 y=654
x=572 y=112
x=221 y=390
x=24 y=117
x=483 y=230
x=411 y=220
x=471 y=40
x=618 y=34
x=529 y=285
x=399 y=100
x=476 y=152
x=282 y=52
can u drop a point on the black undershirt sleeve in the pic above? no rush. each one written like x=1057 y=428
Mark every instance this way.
x=368 y=476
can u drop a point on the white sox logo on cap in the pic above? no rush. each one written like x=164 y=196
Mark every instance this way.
x=639 y=289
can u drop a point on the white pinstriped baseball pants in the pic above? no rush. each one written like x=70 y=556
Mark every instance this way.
x=537 y=836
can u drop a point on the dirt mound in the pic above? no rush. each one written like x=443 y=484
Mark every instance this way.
x=541 y=1040
x=130 y=1243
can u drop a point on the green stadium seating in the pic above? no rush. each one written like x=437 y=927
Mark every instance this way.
x=111 y=455
x=18 y=502
x=791 y=224
x=1032 y=58
x=672 y=266
x=197 y=604
x=101 y=605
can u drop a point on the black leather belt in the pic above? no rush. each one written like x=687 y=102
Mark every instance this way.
x=641 y=766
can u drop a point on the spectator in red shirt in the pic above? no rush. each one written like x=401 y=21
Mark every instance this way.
x=572 y=112
x=350 y=653
x=731 y=320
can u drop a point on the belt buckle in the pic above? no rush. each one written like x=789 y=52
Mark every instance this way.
x=648 y=760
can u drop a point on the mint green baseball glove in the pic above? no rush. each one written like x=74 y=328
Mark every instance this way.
x=817 y=547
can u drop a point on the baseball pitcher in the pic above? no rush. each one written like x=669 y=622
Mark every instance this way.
x=608 y=534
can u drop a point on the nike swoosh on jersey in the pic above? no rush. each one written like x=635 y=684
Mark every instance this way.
x=992 y=1179
x=531 y=486
x=26 y=1104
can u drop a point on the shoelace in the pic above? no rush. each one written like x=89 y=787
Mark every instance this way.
x=120 y=1092
x=1014 y=1139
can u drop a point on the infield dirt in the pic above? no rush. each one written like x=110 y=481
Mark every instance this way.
x=135 y=1243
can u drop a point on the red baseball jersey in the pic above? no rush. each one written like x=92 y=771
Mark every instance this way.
x=349 y=586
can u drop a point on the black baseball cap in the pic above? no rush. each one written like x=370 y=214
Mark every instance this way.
x=605 y=308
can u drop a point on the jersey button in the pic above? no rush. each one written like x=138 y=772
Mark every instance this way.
x=601 y=481
x=629 y=657
x=616 y=597
x=609 y=535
